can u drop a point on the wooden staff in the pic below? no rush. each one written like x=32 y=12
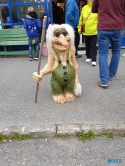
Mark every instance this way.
x=40 y=54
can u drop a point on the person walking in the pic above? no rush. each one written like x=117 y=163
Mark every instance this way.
x=90 y=21
x=31 y=24
x=111 y=21
x=72 y=18
x=57 y=15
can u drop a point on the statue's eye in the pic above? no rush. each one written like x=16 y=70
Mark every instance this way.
x=65 y=33
x=57 y=34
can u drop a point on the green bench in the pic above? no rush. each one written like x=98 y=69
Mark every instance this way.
x=13 y=37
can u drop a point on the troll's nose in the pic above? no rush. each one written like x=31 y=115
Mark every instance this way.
x=64 y=41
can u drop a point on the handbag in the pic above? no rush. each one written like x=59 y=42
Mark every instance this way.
x=83 y=24
x=83 y=27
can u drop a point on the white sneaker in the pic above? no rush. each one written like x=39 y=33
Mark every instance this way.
x=88 y=60
x=36 y=58
x=123 y=55
x=93 y=63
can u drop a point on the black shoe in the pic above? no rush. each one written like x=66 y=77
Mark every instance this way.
x=78 y=56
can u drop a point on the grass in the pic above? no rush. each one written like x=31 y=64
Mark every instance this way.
x=91 y=135
x=80 y=135
x=16 y=136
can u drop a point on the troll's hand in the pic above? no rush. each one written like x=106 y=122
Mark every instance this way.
x=37 y=77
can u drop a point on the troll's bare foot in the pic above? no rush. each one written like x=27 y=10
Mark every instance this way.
x=59 y=99
x=70 y=97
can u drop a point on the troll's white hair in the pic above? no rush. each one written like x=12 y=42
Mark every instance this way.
x=51 y=28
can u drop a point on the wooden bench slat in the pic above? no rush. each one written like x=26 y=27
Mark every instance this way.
x=14 y=53
x=13 y=40
x=12 y=34
x=11 y=43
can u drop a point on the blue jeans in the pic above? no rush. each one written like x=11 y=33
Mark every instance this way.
x=30 y=41
x=105 y=38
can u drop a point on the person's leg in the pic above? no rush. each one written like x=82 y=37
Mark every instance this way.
x=30 y=48
x=103 y=47
x=116 y=41
x=93 y=47
x=77 y=39
x=87 y=43
x=37 y=47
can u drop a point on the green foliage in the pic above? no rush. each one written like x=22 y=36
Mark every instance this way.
x=122 y=134
x=16 y=136
x=91 y=135
x=86 y=136
x=80 y=135
x=21 y=137
x=4 y=137
x=108 y=135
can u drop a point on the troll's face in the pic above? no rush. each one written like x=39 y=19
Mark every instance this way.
x=61 y=39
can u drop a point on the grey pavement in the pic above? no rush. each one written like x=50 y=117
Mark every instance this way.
x=97 y=109
x=64 y=152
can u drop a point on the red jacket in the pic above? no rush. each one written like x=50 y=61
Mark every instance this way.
x=111 y=14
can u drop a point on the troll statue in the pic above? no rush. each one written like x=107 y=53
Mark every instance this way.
x=61 y=63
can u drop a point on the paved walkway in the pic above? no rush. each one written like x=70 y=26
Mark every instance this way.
x=97 y=109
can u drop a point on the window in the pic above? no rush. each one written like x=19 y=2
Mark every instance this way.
x=14 y=11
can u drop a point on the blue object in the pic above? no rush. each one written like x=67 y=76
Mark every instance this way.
x=108 y=71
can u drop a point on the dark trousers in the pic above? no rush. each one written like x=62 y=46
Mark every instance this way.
x=77 y=39
x=91 y=48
